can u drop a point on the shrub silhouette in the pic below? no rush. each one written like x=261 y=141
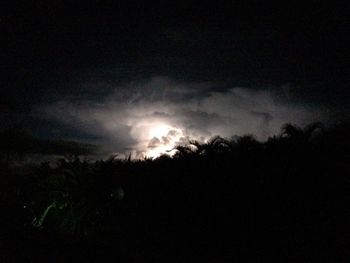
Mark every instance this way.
x=285 y=199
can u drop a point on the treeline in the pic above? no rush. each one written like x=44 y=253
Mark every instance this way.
x=286 y=199
x=16 y=143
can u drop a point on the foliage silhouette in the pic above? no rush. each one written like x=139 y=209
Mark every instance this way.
x=226 y=200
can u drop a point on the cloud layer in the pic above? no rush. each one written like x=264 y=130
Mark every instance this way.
x=144 y=115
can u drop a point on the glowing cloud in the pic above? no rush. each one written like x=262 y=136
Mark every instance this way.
x=149 y=118
x=156 y=138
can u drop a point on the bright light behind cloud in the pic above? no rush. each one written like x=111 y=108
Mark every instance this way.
x=146 y=119
x=156 y=138
x=159 y=130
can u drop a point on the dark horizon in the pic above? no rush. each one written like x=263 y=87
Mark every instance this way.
x=282 y=200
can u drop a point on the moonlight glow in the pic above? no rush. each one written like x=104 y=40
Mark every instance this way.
x=156 y=138
x=159 y=130
x=162 y=139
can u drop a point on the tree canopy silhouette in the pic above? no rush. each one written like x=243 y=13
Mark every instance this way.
x=285 y=199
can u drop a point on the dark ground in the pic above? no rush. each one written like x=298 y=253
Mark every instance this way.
x=236 y=200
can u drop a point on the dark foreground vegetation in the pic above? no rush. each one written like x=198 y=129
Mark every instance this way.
x=238 y=200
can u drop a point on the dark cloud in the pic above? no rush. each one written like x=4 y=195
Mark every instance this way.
x=266 y=118
x=84 y=50
x=16 y=141
x=95 y=72
x=126 y=117
x=154 y=142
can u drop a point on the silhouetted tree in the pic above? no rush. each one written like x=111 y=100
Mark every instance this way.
x=240 y=199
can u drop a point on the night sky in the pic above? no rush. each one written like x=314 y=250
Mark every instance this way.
x=142 y=77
